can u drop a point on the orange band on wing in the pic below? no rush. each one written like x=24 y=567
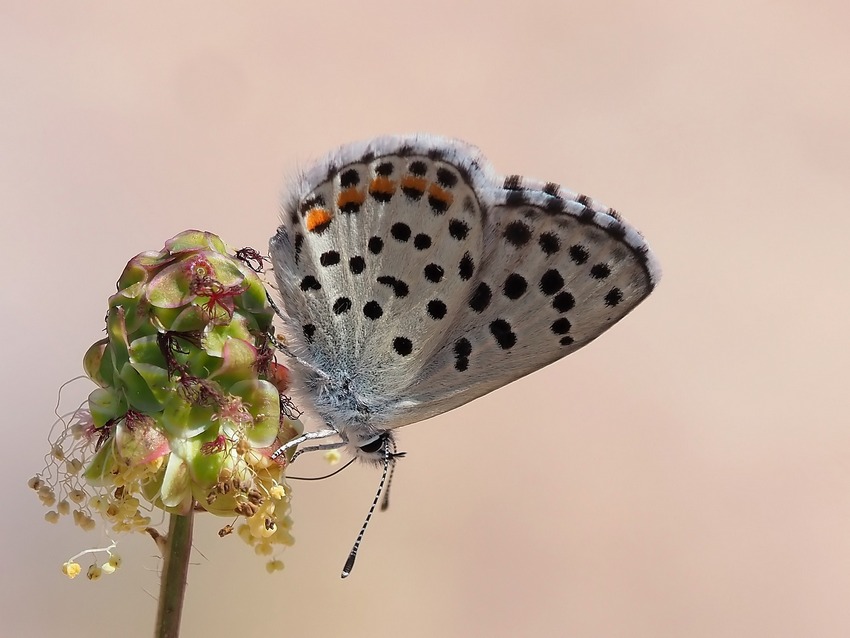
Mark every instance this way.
x=440 y=194
x=413 y=182
x=350 y=197
x=317 y=219
x=382 y=186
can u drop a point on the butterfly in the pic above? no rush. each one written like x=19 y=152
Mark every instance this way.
x=414 y=279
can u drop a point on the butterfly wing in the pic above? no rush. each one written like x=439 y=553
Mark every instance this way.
x=414 y=280
x=558 y=270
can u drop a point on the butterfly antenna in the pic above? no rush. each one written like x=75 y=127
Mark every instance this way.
x=352 y=556
x=385 y=502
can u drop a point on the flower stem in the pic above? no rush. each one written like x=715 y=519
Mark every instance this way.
x=178 y=547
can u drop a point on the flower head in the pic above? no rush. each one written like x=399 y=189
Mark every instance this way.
x=189 y=403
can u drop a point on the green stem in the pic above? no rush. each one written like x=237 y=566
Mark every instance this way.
x=178 y=547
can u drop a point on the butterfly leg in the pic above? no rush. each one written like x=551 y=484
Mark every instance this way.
x=317 y=448
x=282 y=347
x=307 y=436
x=274 y=305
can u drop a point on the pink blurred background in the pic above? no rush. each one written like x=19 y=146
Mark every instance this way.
x=685 y=475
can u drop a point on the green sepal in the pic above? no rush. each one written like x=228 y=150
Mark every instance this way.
x=263 y=402
x=191 y=240
x=139 y=394
x=183 y=420
x=97 y=366
x=106 y=405
x=190 y=319
x=100 y=469
x=116 y=329
x=175 y=490
x=217 y=337
x=238 y=358
x=205 y=466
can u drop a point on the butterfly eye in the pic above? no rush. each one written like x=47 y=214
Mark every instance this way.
x=374 y=445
